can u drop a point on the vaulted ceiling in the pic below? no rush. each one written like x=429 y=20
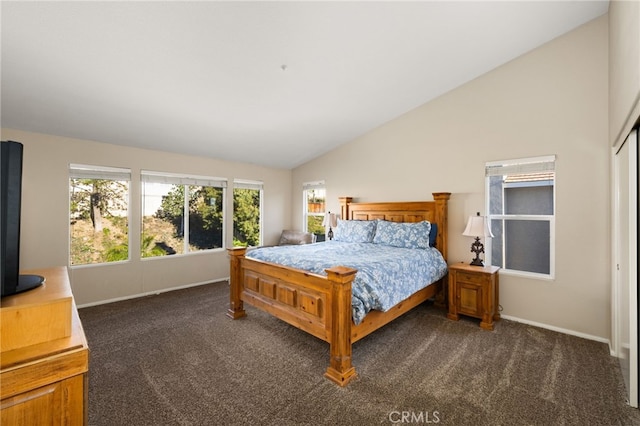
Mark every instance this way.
x=269 y=83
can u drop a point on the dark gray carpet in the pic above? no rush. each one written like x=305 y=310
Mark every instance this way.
x=176 y=359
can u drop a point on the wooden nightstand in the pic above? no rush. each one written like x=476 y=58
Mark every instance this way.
x=473 y=291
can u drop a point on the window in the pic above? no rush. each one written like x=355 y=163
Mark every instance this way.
x=521 y=200
x=181 y=214
x=314 y=194
x=247 y=208
x=98 y=214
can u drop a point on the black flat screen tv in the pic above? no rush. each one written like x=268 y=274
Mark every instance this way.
x=12 y=281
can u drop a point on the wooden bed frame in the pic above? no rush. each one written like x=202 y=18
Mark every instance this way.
x=321 y=305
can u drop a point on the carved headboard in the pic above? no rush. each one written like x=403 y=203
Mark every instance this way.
x=403 y=211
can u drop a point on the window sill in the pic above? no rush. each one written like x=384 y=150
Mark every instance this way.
x=530 y=275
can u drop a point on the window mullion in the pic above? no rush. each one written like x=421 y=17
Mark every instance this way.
x=521 y=217
x=185 y=219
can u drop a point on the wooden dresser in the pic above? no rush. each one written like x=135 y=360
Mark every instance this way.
x=44 y=358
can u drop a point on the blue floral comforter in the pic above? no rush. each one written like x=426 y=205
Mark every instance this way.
x=386 y=275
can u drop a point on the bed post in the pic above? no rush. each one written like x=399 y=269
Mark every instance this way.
x=344 y=207
x=442 y=213
x=236 y=308
x=340 y=369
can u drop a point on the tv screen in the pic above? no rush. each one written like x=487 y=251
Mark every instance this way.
x=10 y=209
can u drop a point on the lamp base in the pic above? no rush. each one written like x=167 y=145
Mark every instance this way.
x=477 y=247
x=477 y=262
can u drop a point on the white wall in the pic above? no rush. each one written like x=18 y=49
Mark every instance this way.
x=552 y=100
x=45 y=214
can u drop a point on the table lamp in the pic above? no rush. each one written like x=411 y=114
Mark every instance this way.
x=477 y=226
x=330 y=220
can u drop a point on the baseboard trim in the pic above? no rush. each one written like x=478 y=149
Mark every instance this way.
x=150 y=293
x=559 y=330
x=507 y=317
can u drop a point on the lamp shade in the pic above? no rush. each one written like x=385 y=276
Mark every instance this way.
x=330 y=220
x=477 y=226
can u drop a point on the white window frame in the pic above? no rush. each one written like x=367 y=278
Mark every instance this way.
x=252 y=184
x=516 y=166
x=185 y=179
x=86 y=171
x=308 y=186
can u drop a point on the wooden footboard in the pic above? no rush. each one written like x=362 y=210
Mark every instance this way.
x=321 y=305
x=316 y=304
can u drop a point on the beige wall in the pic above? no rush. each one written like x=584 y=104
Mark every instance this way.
x=45 y=214
x=552 y=100
x=624 y=68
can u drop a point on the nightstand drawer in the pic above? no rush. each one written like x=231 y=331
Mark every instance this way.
x=472 y=278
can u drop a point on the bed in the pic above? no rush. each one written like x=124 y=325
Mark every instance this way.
x=321 y=303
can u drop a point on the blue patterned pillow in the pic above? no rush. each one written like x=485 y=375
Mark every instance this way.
x=355 y=231
x=403 y=234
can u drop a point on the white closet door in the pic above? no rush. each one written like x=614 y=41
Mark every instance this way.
x=625 y=330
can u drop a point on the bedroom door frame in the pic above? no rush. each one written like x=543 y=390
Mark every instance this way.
x=624 y=341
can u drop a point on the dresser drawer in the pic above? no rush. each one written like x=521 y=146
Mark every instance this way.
x=467 y=277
